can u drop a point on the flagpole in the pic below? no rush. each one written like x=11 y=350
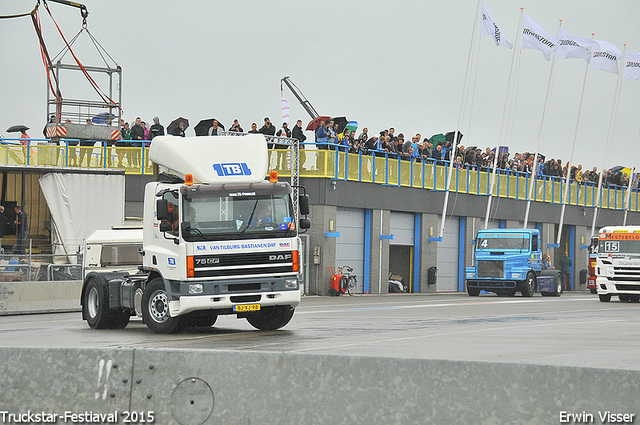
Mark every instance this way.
x=635 y=159
x=504 y=111
x=540 y=136
x=458 y=123
x=573 y=146
x=606 y=146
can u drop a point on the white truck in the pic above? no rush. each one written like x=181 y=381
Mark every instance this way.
x=618 y=263
x=217 y=239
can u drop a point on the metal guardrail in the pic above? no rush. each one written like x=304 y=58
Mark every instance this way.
x=373 y=167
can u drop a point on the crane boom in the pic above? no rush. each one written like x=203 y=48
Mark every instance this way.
x=83 y=9
x=298 y=94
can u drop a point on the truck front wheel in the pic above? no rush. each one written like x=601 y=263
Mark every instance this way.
x=473 y=292
x=528 y=286
x=271 y=318
x=605 y=298
x=155 y=309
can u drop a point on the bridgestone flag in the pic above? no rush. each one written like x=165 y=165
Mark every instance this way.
x=534 y=37
x=488 y=27
x=604 y=56
x=572 y=46
x=631 y=66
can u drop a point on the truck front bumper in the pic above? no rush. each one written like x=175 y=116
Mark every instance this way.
x=226 y=302
x=615 y=287
x=492 y=285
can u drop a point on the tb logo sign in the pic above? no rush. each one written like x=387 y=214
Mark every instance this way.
x=232 y=169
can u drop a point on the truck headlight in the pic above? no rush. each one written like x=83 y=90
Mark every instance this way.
x=196 y=288
x=291 y=283
x=516 y=275
x=471 y=275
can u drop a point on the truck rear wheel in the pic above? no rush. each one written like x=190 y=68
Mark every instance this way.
x=271 y=318
x=95 y=305
x=155 y=309
x=528 y=286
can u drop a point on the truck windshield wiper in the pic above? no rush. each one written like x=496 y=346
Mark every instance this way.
x=248 y=222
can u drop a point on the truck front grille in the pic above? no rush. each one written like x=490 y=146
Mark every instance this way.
x=490 y=268
x=628 y=273
x=245 y=264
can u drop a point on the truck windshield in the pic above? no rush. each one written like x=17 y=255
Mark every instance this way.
x=502 y=242
x=237 y=217
x=618 y=246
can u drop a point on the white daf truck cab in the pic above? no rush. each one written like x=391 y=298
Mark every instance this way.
x=217 y=239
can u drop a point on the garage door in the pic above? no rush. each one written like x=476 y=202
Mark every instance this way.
x=448 y=251
x=350 y=244
x=402 y=228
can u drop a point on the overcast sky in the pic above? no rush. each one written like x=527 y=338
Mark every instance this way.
x=383 y=64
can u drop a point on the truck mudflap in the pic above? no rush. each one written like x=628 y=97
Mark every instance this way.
x=230 y=304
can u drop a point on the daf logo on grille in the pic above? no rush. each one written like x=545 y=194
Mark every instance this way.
x=280 y=257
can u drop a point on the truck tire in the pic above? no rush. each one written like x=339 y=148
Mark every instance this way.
x=473 y=292
x=95 y=305
x=155 y=309
x=605 y=298
x=593 y=291
x=528 y=286
x=557 y=291
x=120 y=319
x=271 y=318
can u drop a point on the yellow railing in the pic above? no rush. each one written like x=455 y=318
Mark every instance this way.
x=376 y=168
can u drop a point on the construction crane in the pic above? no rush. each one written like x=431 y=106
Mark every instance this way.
x=298 y=94
x=83 y=9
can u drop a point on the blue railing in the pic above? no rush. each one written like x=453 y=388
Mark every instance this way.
x=373 y=167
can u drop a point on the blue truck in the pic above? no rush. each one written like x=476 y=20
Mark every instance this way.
x=507 y=261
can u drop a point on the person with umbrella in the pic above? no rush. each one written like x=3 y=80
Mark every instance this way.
x=178 y=130
x=25 y=140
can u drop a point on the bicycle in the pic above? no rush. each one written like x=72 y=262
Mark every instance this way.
x=348 y=282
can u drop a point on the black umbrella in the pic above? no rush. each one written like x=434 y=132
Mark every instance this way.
x=449 y=136
x=17 y=128
x=202 y=128
x=469 y=148
x=171 y=128
x=341 y=121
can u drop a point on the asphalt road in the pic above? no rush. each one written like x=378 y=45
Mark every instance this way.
x=573 y=330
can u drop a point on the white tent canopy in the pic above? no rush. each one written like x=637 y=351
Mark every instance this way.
x=80 y=204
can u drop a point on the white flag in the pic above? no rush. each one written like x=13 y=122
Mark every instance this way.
x=604 y=56
x=534 y=37
x=488 y=27
x=572 y=46
x=631 y=66
x=285 y=111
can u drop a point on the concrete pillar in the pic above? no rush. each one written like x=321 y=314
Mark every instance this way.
x=549 y=237
x=319 y=276
x=429 y=253
x=379 y=261
x=581 y=260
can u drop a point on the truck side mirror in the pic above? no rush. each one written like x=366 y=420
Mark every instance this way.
x=303 y=204
x=304 y=223
x=162 y=210
x=165 y=226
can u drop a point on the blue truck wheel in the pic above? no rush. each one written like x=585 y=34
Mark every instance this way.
x=528 y=286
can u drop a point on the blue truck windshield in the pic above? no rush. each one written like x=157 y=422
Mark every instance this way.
x=503 y=242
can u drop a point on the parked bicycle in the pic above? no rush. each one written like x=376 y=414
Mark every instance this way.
x=348 y=283
x=342 y=281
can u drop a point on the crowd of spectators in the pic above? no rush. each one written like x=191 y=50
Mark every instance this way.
x=396 y=145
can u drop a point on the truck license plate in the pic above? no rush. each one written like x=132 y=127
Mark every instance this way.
x=246 y=307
